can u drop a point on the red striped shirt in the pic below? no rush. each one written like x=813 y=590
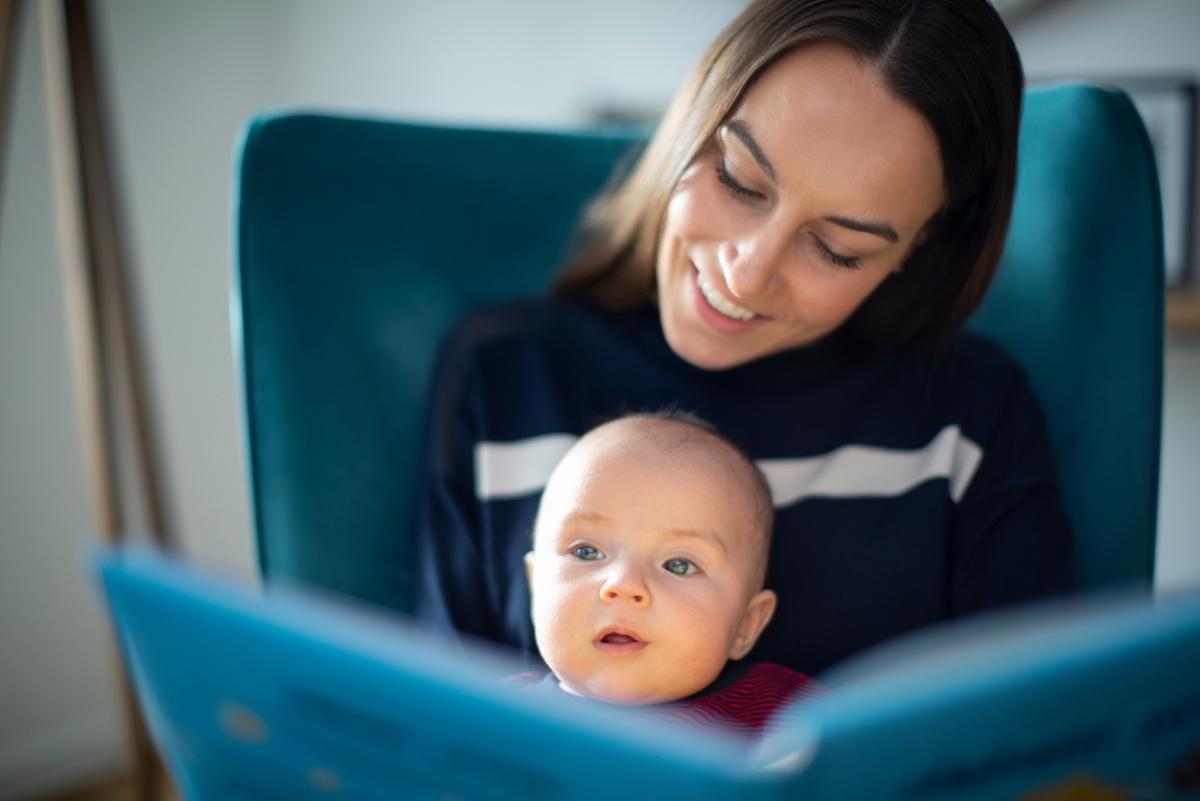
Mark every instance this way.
x=743 y=698
x=745 y=703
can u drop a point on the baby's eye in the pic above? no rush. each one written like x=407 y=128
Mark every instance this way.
x=680 y=567
x=586 y=553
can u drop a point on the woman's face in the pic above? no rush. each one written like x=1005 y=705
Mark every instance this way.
x=814 y=190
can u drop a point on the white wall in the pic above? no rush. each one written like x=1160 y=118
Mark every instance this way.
x=186 y=75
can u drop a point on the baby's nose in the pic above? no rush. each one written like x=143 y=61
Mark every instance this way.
x=613 y=594
x=624 y=585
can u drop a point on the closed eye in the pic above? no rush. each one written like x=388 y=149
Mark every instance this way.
x=850 y=262
x=737 y=190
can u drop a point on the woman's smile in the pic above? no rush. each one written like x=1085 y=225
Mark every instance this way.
x=719 y=312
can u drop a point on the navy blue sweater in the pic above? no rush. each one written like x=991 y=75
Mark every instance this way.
x=908 y=489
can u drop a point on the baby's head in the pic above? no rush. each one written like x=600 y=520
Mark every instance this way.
x=649 y=555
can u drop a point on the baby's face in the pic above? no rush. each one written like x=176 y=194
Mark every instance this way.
x=645 y=571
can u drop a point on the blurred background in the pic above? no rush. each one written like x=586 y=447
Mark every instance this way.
x=182 y=77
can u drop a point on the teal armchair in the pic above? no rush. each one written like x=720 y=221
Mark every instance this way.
x=359 y=242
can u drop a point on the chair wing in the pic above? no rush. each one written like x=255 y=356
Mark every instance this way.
x=1078 y=300
x=359 y=242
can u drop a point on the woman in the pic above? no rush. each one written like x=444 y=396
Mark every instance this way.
x=822 y=206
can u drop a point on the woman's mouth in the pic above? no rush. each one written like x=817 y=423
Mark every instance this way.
x=719 y=302
x=718 y=312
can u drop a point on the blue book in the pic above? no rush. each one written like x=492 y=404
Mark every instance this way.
x=278 y=694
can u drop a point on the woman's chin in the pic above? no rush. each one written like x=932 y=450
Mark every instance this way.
x=702 y=349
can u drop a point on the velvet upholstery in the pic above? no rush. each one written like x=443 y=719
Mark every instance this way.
x=359 y=241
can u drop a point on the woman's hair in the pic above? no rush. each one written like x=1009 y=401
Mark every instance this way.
x=952 y=60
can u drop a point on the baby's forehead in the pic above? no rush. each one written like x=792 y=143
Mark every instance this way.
x=675 y=450
x=644 y=457
x=635 y=435
x=670 y=450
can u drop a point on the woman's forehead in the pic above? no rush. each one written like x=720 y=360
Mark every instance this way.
x=828 y=124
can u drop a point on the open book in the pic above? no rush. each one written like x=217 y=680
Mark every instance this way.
x=275 y=694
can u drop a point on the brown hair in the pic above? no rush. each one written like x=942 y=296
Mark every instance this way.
x=952 y=60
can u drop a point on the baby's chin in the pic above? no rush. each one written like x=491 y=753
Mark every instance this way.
x=621 y=693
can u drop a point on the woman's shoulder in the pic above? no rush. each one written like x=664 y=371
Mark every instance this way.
x=979 y=384
x=521 y=319
x=544 y=324
x=969 y=362
x=978 y=352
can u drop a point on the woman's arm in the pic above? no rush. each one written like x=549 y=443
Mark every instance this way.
x=451 y=595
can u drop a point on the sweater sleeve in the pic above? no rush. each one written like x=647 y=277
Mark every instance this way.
x=1012 y=540
x=451 y=585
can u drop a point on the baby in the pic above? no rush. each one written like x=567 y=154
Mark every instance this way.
x=649 y=556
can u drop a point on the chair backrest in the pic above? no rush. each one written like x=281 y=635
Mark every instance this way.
x=1078 y=300
x=359 y=242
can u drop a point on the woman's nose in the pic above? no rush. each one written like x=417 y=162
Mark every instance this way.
x=624 y=584
x=750 y=266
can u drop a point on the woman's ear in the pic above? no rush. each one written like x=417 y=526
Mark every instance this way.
x=756 y=617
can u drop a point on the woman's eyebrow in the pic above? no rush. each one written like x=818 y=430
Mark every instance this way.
x=879 y=229
x=883 y=230
x=740 y=130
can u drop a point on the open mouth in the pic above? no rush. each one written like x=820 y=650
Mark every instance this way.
x=619 y=641
x=719 y=302
x=719 y=312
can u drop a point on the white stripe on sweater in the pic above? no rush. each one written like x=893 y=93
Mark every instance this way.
x=513 y=469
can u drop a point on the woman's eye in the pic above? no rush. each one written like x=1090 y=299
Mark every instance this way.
x=586 y=553
x=849 y=262
x=680 y=567
x=737 y=190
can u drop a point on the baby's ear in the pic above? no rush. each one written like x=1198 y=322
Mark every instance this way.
x=756 y=617
x=529 y=579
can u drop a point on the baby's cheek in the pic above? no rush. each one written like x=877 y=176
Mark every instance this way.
x=555 y=610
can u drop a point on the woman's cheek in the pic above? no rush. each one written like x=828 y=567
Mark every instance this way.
x=697 y=213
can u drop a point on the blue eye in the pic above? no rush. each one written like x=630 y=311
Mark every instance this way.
x=586 y=553
x=680 y=567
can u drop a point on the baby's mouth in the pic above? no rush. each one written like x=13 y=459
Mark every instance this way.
x=619 y=641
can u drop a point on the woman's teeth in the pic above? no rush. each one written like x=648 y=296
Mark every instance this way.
x=719 y=301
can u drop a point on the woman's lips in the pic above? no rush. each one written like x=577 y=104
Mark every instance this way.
x=713 y=318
